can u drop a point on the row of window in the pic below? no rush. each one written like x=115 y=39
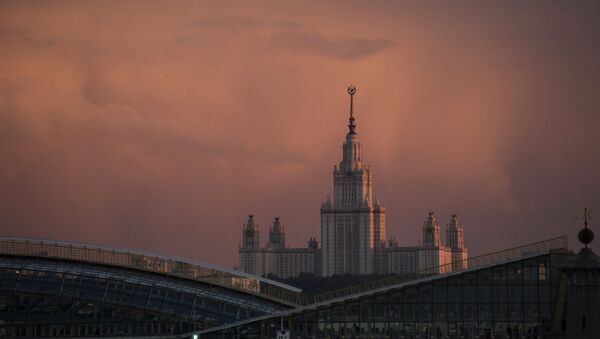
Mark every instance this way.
x=97 y=329
x=161 y=299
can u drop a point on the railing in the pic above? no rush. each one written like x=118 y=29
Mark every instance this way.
x=247 y=283
x=559 y=243
x=143 y=261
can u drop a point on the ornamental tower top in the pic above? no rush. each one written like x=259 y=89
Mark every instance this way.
x=352 y=149
x=351 y=125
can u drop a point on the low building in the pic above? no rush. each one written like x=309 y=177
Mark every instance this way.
x=276 y=258
x=432 y=255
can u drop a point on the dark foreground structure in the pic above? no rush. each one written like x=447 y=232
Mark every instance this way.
x=50 y=289
x=55 y=289
x=513 y=299
x=536 y=291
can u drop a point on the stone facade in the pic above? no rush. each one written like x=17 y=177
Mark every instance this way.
x=353 y=232
x=250 y=258
x=353 y=224
x=276 y=258
x=432 y=255
x=353 y=229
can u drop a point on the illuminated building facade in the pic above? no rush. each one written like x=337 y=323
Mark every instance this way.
x=276 y=259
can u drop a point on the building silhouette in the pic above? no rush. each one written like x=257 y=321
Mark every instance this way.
x=582 y=273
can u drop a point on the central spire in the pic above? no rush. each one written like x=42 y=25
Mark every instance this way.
x=351 y=126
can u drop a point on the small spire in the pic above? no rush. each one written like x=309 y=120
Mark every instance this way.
x=586 y=235
x=351 y=125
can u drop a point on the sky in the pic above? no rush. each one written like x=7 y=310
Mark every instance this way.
x=160 y=126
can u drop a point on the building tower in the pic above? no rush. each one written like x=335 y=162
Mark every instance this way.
x=313 y=244
x=432 y=255
x=456 y=242
x=250 y=235
x=276 y=235
x=583 y=289
x=353 y=224
x=454 y=233
x=431 y=232
x=249 y=252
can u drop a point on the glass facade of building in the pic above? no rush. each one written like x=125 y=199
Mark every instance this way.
x=518 y=299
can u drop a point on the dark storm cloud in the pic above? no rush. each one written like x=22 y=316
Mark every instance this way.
x=26 y=37
x=342 y=48
x=245 y=22
x=231 y=23
x=129 y=128
x=162 y=130
x=97 y=90
x=296 y=37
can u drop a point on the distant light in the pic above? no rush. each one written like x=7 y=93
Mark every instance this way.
x=195 y=336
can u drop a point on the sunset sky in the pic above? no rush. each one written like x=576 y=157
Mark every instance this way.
x=161 y=125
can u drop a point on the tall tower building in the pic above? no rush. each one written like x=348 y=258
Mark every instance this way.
x=353 y=232
x=352 y=223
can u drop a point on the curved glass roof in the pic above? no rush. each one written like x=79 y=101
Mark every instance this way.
x=151 y=262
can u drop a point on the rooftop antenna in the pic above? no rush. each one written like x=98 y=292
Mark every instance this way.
x=586 y=235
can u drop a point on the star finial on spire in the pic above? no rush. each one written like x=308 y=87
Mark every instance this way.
x=351 y=126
